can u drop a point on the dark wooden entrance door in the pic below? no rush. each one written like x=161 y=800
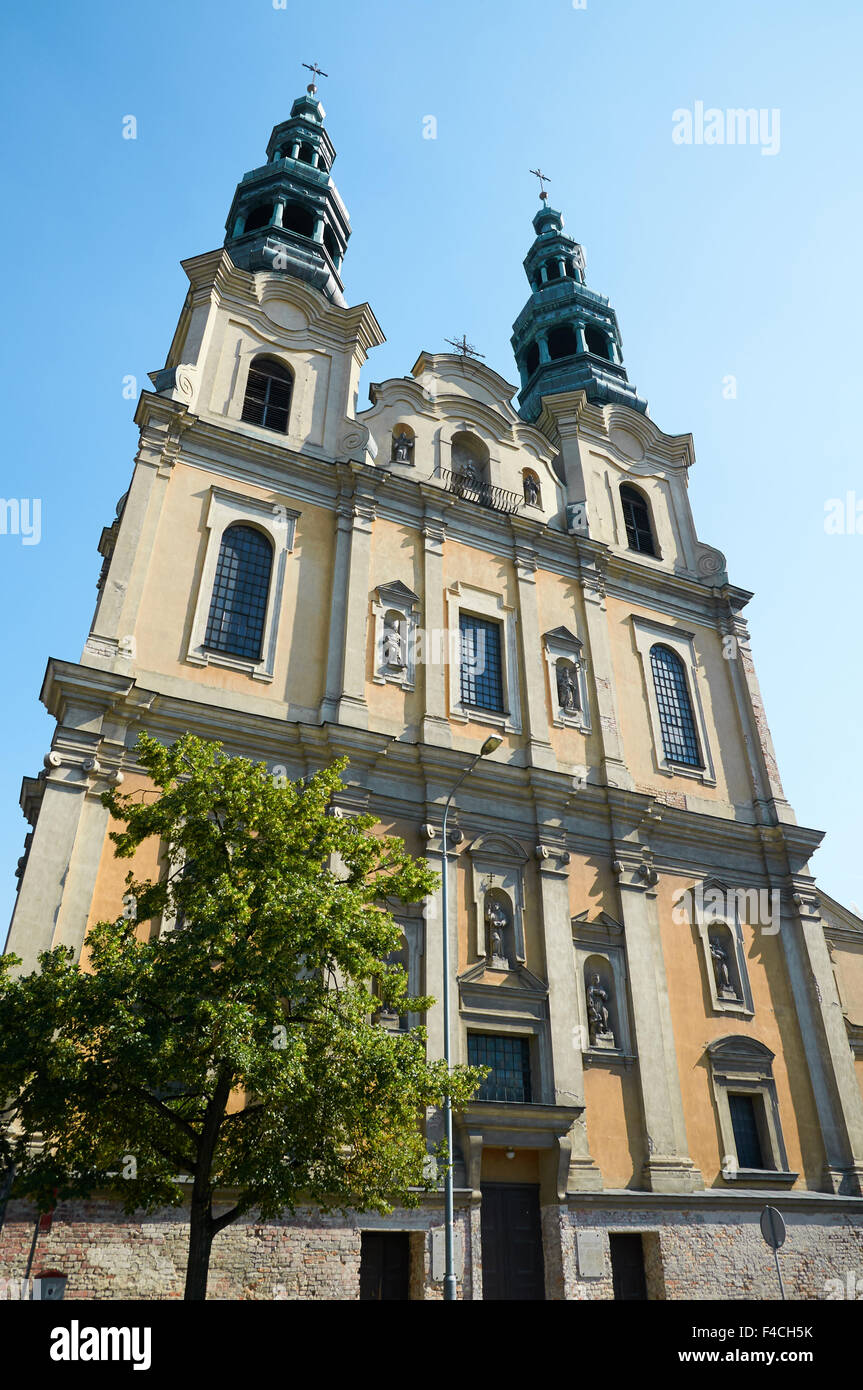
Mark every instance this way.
x=385 y=1265
x=627 y=1267
x=512 y=1262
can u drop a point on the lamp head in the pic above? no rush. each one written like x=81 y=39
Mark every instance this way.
x=491 y=743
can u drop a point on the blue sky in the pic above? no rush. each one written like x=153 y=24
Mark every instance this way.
x=720 y=261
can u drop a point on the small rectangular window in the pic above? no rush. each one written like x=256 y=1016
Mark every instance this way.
x=747 y=1130
x=509 y=1059
x=481 y=669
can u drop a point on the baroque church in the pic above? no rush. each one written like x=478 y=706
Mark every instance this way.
x=672 y=1014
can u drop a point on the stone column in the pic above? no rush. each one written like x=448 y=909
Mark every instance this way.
x=767 y=789
x=822 y=1030
x=542 y=344
x=435 y=724
x=564 y=1032
x=535 y=706
x=580 y=338
x=278 y=213
x=669 y=1167
x=37 y=907
x=615 y=771
x=345 y=695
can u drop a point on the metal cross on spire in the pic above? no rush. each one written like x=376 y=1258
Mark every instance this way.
x=464 y=347
x=316 y=72
x=543 y=180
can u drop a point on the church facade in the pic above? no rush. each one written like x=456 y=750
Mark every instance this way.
x=672 y=1014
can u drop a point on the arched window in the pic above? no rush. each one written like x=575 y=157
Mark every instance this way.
x=562 y=342
x=531 y=359
x=552 y=270
x=597 y=343
x=238 y=608
x=307 y=153
x=268 y=395
x=679 y=739
x=259 y=217
x=636 y=515
x=299 y=219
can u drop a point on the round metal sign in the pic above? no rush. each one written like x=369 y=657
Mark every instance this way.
x=772 y=1227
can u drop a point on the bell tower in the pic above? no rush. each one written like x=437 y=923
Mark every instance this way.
x=566 y=337
x=287 y=215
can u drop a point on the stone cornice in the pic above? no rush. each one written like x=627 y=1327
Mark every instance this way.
x=407 y=779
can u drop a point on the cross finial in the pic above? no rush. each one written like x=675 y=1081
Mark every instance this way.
x=463 y=346
x=543 y=180
x=316 y=72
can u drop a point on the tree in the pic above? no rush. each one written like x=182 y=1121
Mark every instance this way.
x=240 y=1048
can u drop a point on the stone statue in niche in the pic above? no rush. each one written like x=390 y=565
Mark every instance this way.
x=393 y=644
x=598 y=1018
x=567 y=687
x=724 y=988
x=403 y=448
x=496 y=924
x=531 y=490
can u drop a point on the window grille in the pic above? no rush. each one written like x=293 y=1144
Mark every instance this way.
x=636 y=515
x=679 y=739
x=481 y=672
x=238 y=608
x=509 y=1059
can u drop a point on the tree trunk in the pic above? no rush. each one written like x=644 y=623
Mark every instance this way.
x=200 y=1244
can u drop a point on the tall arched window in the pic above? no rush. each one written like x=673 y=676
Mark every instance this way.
x=636 y=515
x=679 y=739
x=238 y=608
x=298 y=218
x=268 y=395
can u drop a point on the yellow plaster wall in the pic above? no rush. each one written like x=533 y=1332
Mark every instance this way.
x=173 y=577
x=775 y=1024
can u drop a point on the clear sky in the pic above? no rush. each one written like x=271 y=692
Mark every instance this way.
x=720 y=261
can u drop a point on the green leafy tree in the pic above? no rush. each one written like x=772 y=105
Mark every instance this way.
x=240 y=1048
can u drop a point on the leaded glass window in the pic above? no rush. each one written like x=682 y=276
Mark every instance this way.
x=481 y=671
x=509 y=1059
x=679 y=739
x=268 y=395
x=238 y=608
x=636 y=514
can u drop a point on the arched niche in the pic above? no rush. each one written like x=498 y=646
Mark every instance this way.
x=469 y=456
x=403 y=444
x=601 y=1004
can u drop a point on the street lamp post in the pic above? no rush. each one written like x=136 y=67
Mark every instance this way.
x=449 y=1284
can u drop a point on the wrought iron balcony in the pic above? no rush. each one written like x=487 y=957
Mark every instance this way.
x=475 y=490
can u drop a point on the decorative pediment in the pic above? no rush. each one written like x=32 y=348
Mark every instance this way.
x=602 y=926
x=518 y=981
x=397 y=594
x=497 y=847
x=562 y=637
x=737 y=1052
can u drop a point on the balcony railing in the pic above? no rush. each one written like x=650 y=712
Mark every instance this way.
x=474 y=490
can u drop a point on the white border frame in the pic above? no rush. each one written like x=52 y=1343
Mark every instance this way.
x=396 y=597
x=648 y=634
x=483 y=603
x=560 y=642
x=279 y=524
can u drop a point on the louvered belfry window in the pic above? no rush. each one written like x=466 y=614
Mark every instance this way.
x=268 y=395
x=636 y=514
x=238 y=608
x=679 y=739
